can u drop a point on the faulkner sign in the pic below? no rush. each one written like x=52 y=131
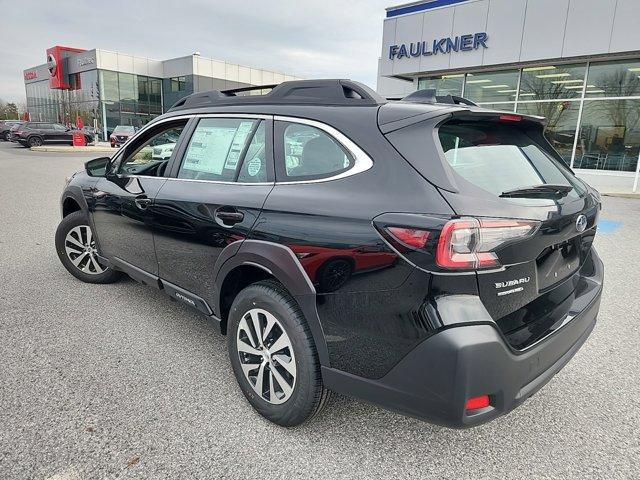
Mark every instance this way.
x=462 y=43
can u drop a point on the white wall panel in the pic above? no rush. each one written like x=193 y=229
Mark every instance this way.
x=408 y=31
x=437 y=24
x=504 y=27
x=626 y=26
x=544 y=29
x=469 y=18
x=389 y=36
x=125 y=63
x=589 y=29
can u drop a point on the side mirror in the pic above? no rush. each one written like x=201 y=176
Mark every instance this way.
x=97 y=167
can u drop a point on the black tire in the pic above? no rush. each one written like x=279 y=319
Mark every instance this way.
x=68 y=223
x=309 y=395
x=34 y=141
x=7 y=136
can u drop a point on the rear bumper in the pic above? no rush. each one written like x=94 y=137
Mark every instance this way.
x=434 y=381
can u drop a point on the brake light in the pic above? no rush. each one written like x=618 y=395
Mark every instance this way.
x=476 y=403
x=412 y=237
x=510 y=118
x=469 y=243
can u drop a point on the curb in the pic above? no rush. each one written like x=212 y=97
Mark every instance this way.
x=70 y=149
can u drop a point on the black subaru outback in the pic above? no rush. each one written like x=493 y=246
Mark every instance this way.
x=427 y=255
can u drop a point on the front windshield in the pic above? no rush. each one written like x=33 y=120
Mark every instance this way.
x=124 y=129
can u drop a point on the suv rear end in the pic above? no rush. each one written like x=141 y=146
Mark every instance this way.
x=514 y=282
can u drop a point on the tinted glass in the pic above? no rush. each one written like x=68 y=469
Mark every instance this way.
x=109 y=86
x=498 y=158
x=491 y=87
x=613 y=79
x=551 y=81
x=609 y=135
x=217 y=147
x=150 y=155
x=311 y=153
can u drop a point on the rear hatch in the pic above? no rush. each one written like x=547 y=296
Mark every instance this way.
x=532 y=222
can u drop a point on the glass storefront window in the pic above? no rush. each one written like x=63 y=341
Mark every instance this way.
x=491 y=87
x=551 y=81
x=613 y=79
x=609 y=136
x=443 y=85
x=109 y=86
x=562 y=120
x=505 y=107
x=155 y=92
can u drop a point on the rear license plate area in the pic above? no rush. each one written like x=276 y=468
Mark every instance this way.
x=557 y=263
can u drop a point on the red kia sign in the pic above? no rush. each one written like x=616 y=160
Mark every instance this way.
x=58 y=77
x=33 y=74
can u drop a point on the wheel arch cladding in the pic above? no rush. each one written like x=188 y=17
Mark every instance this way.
x=72 y=200
x=70 y=205
x=263 y=260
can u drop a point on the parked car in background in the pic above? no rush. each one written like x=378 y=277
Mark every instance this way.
x=5 y=128
x=12 y=132
x=121 y=134
x=34 y=134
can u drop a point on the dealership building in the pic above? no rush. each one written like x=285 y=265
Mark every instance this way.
x=106 y=88
x=575 y=62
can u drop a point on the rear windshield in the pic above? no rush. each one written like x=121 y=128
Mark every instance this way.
x=499 y=157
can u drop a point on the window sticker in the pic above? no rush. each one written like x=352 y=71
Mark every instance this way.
x=254 y=166
x=237 y=145
x=209 y=148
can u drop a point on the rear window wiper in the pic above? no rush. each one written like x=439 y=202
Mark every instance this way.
x=546 y=190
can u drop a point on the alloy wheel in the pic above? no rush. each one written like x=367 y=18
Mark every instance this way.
x=266 y=356
x=80 y=247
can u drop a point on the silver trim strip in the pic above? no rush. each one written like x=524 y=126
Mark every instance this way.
x=362 y=161
x=219 y=181
x=153 y=124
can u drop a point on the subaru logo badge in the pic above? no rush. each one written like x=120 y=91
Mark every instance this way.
x=581 y=223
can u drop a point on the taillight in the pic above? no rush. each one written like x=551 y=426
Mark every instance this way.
x=413 y=237
x=469 y=243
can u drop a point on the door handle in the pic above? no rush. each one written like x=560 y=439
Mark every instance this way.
x=142 y=202
x=228 y=216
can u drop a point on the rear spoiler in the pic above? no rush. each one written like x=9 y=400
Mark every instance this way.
x=460 y=111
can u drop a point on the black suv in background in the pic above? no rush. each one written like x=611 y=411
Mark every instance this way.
x=427 y=255
x=5 y=128
x=34 y=134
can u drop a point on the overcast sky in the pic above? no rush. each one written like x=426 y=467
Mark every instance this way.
x=312 y=39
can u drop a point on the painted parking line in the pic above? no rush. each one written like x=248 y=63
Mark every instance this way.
x=606 y=227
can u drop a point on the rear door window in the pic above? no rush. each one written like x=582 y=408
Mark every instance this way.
x=498 y=157
x=226 y=150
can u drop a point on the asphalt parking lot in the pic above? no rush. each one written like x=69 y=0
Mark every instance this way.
x=117 y=381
